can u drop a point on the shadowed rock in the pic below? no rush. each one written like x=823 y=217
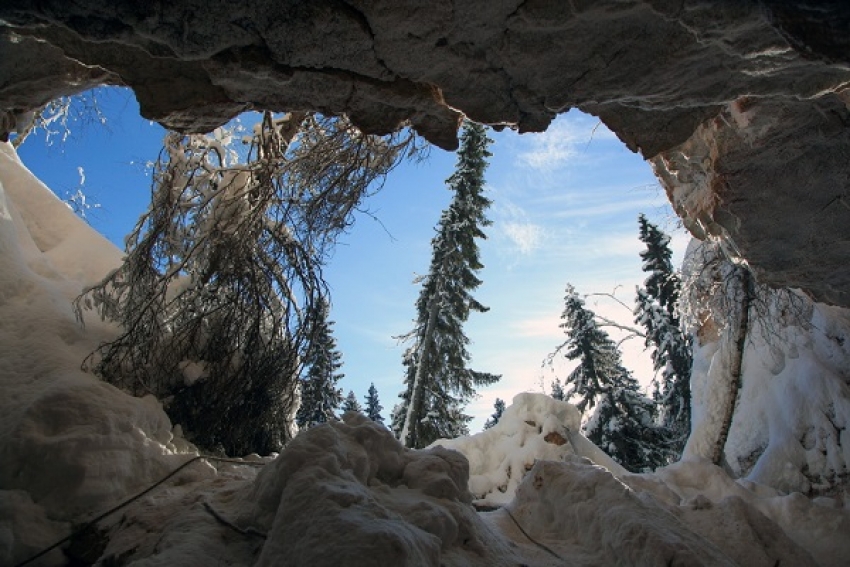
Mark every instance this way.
x=666 y=77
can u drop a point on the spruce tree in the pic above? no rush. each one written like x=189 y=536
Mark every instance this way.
x=599 y=366
x=373 y=406
x=657 y=310
x=662 y=283
x=557 y=390
x=622 y=423
x=320 y=397
x=350 y=403
x=438 y=382
x=499 y=406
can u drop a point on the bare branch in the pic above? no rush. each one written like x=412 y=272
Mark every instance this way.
x=224 y=272
x=633 y=332
x=611 y=296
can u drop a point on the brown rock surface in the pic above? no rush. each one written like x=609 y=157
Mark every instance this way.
x=555 y=438
x=671 y=78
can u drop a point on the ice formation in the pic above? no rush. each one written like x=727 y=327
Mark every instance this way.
x=347 y=493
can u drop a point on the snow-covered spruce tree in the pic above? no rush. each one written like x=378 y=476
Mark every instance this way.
x=657 y=310
x=320 y=397
x=557 y=390
x=499 y=407
x=373 y=405
x=217 y=294
x=599 y=359
x=350 y=403
x=443 y=415
x=438 y=382
x=623 y=421
x=623 y=425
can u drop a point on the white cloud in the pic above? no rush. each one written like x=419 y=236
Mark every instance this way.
x=525 y=236
x=550 y=150
x=514 y=224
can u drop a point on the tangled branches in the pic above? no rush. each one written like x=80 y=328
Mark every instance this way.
x=219 y=292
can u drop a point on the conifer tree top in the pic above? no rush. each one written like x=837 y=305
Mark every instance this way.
x=657 y=262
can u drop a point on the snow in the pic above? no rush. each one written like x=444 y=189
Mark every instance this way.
x=347 y=493
x=70 y=445
x=26 y=529
x=793 y=410
x=192 y=371
x=819 y=526
x=534 y=427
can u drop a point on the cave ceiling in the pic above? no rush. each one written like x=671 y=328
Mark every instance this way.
x=740 y=106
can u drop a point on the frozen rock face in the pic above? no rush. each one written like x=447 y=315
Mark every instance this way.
x=653 y=70
x=747 y=97
x=770 y=178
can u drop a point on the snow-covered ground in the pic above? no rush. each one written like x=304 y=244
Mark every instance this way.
x=347 y=493
x=534 y=427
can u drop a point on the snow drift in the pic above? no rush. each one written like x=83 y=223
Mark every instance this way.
x=348 y=494
x=344 y=493
x=70 y=445
x=792 y=413
x=534 y=427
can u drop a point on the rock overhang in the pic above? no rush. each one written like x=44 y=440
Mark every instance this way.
x=742 y=107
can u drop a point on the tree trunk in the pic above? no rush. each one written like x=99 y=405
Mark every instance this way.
x=408 y=439
x=743 y=276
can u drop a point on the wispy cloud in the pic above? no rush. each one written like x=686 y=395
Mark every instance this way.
x=544 y=326
x=552 y=149
x=525 y=236
x=514 y=224
x=626 y=203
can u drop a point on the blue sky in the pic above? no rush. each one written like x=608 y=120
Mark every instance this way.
x=565 y=207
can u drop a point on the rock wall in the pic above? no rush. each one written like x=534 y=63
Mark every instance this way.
x=759 y=87
x=770 y=178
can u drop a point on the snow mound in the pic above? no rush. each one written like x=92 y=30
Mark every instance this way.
x=353 y=486
x=583 y=511
x=791 y=425
x=348 y=494
x=736 y=513
x=70 y=445
x=534 y=427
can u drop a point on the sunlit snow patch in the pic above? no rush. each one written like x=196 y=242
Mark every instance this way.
x=534 y=427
